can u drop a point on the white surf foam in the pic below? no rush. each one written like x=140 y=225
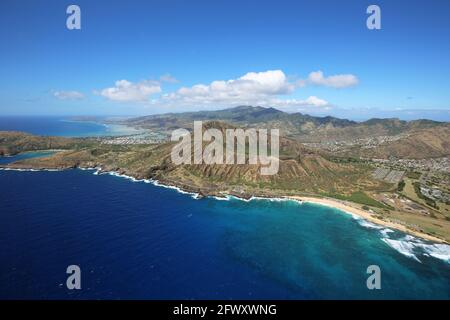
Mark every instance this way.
x=414 y=248
x=366 y=224
x=437 y=250
x=404 y=247
x=119 y=175
x=224 y=198
x=409 y=245
x=159 y=184
x=154 y=182
x=385 y=232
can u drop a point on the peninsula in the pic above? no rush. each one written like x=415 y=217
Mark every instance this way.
x=397 y=178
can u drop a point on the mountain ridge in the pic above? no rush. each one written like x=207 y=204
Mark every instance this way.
x=293 y=124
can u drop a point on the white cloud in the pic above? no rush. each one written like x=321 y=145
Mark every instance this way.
x=68 y=95
x=267 y=88
x=335 y=81
x=311 y=101
x=267 y=83
x=314 y=101
x=128 y=91
x=251 y=88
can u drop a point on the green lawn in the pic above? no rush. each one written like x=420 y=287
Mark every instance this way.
x=362 y=198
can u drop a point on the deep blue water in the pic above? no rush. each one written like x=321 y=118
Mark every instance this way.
x=60 y=126
x=137 y=240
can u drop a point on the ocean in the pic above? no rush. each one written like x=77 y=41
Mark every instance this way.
x=137 y=240
x=63 y=126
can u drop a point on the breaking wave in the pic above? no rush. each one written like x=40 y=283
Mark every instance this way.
x=408 y=245
x=154 y=182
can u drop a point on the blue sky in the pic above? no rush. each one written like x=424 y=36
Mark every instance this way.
x=144 y=57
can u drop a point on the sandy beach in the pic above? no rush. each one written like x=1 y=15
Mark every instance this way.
x=354 y=209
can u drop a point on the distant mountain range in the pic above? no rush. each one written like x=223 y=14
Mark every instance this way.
x=297 y=125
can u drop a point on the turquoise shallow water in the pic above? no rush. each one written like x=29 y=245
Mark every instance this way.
x=137 y=240
x=59 y=126
x=25 y=155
